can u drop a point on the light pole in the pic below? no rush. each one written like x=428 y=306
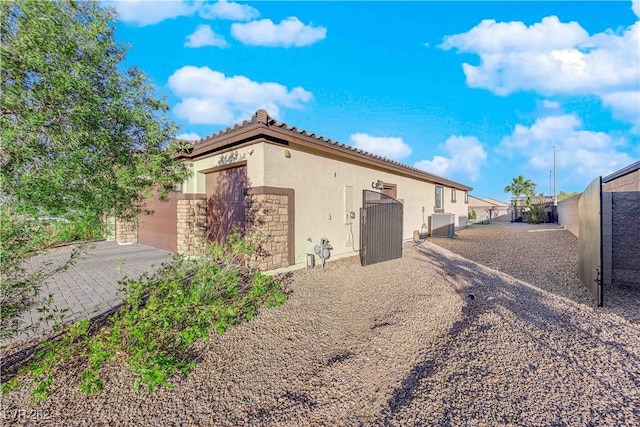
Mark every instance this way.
x=550 y=182
x=555 y=199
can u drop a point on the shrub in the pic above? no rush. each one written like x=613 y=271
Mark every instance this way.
x=162 y=316
x=77 y=229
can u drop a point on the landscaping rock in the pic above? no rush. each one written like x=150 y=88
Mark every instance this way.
x=394 y=343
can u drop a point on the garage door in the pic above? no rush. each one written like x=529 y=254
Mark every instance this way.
x=225 y=202
x=158 y=228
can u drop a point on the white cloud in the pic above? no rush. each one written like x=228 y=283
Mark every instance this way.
x=204 y=36
x=582 y=152
x=550 y=105
x=210 y=97
x=189 y=136
x=552 y=57
x=228 y=10
x=510 y=37
x=149 y=12
x=289 y=32
x=635 y=7
x=466 y=155
x=625 y=105
x=390 y=147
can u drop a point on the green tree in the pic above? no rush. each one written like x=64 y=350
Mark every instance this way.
x=520 y=186
x=83 y=136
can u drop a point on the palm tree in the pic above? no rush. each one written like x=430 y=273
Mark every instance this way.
x=520 y=186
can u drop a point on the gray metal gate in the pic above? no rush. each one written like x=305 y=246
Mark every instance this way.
x=380 y=228
x=590 y=239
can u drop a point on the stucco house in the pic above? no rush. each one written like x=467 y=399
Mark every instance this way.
x=295 y=188
x=487 y=209
x=501 y=210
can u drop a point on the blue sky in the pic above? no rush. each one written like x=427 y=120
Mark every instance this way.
x=478 y=92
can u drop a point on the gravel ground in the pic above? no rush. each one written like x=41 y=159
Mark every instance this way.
x=543 y=255
x=429 y=339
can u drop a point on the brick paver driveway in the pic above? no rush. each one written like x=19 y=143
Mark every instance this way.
x=90 y=287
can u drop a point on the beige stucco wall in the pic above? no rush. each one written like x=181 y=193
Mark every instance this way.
x=501 y=214
x=252 y=156
x=319 y=183
x=568 y=214
x=482 y=212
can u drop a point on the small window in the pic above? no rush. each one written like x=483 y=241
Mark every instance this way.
x=453 y=195
x=439 y=204
x=466 y=197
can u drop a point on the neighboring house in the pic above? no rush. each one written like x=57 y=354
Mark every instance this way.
x=487 y=209
x=295 y=188
x=501 y=211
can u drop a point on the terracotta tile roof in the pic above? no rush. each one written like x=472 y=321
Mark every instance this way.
x=262 y=119
x=245 y=123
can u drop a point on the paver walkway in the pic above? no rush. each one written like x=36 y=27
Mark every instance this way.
x=90 y=287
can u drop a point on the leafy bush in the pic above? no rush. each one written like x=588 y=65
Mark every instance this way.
x=162 y=316
x=535 y=214
x=77 y=229
x=535 y=211
x=20 y=239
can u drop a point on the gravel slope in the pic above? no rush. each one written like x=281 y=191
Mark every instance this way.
x=396 y=343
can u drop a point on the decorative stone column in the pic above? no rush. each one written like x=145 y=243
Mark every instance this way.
x=191 y=223
x=126 y=232
x=270 y=213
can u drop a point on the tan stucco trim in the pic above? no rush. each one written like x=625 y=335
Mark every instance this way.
x=290 y=193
